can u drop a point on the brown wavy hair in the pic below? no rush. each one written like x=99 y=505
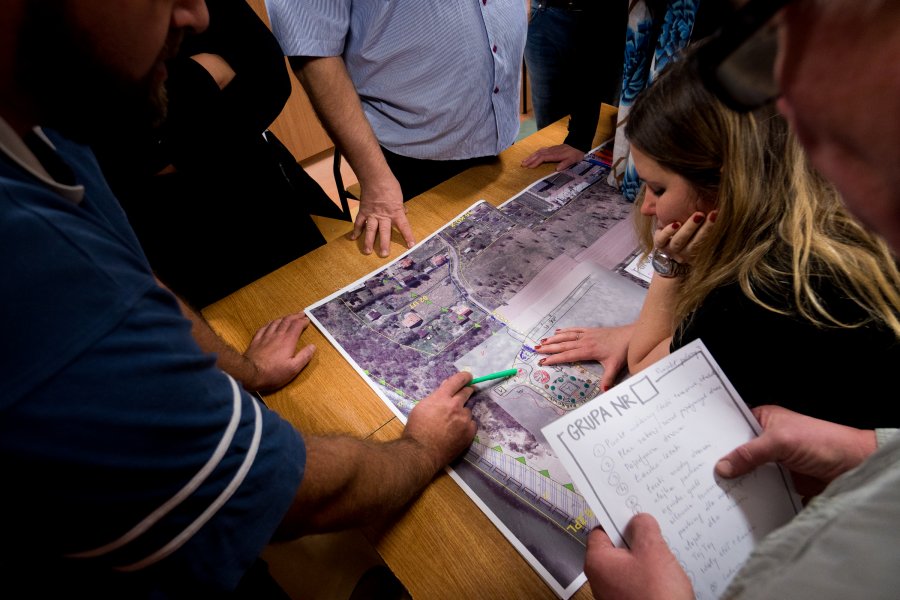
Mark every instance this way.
x=780 y=225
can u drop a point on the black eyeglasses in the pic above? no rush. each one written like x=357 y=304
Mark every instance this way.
x=738 y=63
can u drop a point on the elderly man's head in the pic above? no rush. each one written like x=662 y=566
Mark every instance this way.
x=837 y=74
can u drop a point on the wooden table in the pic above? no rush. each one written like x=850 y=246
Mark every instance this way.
x=443 y=546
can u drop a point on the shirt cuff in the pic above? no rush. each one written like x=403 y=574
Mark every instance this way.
x=883 y=435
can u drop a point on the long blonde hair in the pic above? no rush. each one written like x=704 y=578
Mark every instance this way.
x=780 y=227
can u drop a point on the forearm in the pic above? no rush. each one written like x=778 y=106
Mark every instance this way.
x=336 y=102
x=654 y=328
x=350 y=482
x=227 y=358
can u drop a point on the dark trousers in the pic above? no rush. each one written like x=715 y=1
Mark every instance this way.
x=417 y=175
x=574 y=59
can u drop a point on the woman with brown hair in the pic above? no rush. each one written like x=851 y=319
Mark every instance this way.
x=754 y=254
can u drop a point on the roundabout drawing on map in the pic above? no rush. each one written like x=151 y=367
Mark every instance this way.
x=478 y=295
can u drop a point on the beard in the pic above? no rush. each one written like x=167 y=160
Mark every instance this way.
x=72 y=89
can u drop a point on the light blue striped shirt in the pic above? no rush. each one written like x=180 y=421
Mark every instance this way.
x=438 y=79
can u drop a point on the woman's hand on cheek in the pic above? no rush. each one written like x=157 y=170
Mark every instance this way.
x=679 y=240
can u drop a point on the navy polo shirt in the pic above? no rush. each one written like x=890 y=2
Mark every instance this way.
x=131 y=464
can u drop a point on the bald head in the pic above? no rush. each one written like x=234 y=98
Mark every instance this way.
x=839 y=75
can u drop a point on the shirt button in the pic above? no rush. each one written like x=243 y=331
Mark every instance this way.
x=496 y=89
x=494 y=48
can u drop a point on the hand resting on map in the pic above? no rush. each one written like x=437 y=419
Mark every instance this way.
x=563 y=154
x=813 y=450
x=441 y=423
x=606 y=345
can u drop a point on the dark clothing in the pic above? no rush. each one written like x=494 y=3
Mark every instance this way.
x=122 y=446
x=417 y=175
x=574 y=55
x=227 y=215
x=827 y=373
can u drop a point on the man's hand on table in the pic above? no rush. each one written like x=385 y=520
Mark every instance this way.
x=563 y=154
x=381 y=208
x=441 y=423
x=274 y=355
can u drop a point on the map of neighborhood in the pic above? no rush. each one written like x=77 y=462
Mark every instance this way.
x=478 y=295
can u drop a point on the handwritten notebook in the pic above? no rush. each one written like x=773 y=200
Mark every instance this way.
x=650 y=445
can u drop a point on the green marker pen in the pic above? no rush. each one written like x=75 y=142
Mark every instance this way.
x=498 y=375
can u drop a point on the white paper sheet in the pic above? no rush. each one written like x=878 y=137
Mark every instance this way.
x=650 y=445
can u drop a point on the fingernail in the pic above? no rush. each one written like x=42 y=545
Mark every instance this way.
x=676 y=225
x=713 y=215
x=544 y=339
x=698 y=218
x=724 y=468
x=605 y=388
x=541 y=362
x=537 y=346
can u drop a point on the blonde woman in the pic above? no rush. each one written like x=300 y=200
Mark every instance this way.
x=754 y=254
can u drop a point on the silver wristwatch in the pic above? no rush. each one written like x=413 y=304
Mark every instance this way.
x=665 y=265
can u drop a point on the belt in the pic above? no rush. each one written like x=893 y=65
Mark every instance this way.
x=573 y=5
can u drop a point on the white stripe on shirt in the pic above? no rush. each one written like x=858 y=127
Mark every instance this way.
x=189 y=531
x=185 y=492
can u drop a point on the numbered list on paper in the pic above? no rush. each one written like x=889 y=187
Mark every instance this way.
x=650 y=445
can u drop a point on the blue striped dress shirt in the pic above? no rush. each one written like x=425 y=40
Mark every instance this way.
x=438 y=79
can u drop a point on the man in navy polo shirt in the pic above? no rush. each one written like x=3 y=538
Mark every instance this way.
x=133 y=466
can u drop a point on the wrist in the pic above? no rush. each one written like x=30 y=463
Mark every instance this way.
x=252 y=375
x=380 y=185
x=430 y=461
x=666 y=266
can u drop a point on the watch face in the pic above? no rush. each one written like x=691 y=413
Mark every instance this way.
x=662 y=264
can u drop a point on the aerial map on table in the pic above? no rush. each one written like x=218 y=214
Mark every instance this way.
x=478 y=295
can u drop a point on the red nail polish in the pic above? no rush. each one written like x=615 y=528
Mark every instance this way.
x=698 y=218
x=541 y=362
x=537 y=347
x=676 y=225
x=712 y=217
x=543 y=340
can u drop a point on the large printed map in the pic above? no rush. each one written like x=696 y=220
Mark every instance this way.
x=478 y=295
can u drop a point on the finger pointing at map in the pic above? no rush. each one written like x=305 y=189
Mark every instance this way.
x=441 y=422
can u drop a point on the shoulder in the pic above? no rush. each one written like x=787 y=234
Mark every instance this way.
x=66 y=277
x=312 y=28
